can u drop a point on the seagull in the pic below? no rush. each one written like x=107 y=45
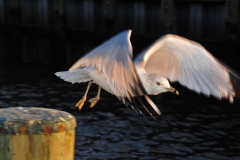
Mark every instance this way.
x=170 y=58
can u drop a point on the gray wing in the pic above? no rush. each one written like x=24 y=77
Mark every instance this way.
x=180 y=59
x=113 y=58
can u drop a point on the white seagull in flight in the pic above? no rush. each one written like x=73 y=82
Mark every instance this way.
x=173 y=58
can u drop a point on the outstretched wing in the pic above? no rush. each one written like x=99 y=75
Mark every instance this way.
x=180 y=59
x=113 y=59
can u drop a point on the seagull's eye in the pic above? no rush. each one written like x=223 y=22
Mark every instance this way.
x=158 y=83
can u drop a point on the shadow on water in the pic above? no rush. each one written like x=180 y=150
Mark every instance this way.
x=191 y=126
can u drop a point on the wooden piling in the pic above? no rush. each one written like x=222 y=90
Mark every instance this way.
x=36 y=134
x=231 y=31
x=168 y=15
x=59 y=57
x=40 y=31
x=13 y=39
x=232 y=18
x=109 y=14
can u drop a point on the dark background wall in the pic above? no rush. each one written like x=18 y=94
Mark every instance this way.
x=58 y=32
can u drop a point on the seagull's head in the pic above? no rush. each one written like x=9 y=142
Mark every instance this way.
x=155 y=84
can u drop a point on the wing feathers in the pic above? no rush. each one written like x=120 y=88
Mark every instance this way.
x=113 y=59
x=186 y=61
x=235 y=81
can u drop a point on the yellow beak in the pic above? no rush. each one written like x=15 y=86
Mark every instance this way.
x=173 y=90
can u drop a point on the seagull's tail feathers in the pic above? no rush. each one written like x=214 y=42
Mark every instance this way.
x=75 y=76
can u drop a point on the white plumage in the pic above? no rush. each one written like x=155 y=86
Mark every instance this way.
x=171 y=57
x=179 y=59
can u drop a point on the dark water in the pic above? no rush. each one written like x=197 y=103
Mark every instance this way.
x=191 y=126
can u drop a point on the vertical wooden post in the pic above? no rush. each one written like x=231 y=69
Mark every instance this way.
x=3 y=36
x=109 y=14
x=60 y=42
x=14 y=38
x=139 y=20
x=14 y=12
x=2 y=12
x=43 y=39
x=231 y=29
x=168 y=15
x=232 y=18
x=33 y=133
x=43 y=17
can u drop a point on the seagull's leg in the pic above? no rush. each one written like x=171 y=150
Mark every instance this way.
x=93 y=101
x=81 y=101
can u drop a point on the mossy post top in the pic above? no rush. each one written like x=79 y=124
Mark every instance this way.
x=34 y=120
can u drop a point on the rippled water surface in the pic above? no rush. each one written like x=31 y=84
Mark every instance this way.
x=190 y=127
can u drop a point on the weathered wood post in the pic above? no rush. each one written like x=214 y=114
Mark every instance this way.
x=168 y=15
x=60 y=26
x=109 y=14
x=30 y=133
x=231 y=29
x=232 y=18
x=14 y=38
